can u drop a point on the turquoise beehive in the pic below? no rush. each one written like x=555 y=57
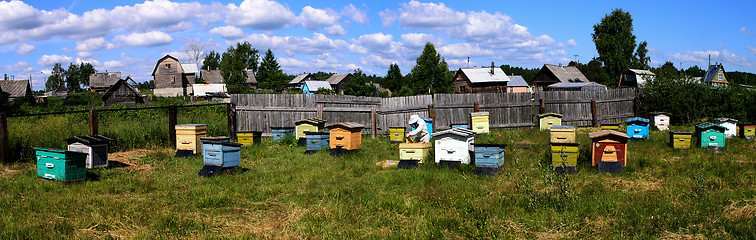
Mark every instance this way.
x=637 y=128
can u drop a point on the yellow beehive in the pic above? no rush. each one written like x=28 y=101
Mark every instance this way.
x=414 y=151
x=188 y=137
x=248 y=138
x=396 y=134
x=308 y=125
x=479 y=122
x=562 y=134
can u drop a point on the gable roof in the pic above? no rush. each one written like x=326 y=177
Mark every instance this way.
x=565 y=74
x=337 y=78
x=61 y=88
x=316 y=85
x=251 y=77
x=120 y=84
x=16 y=88
x=189 y=68
x=517 y=81
x=712 y=72
x=300 y=77
x=103 y=80
x=483 y=75
x=163 y=58
x=211 y=76
x=641 y=72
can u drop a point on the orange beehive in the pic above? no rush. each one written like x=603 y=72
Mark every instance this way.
x=346 y=135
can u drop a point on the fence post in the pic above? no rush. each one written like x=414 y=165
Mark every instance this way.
x=231 y=115
x=476 y=107
x=636 y=106
x=172 y=125
x=373 y=116
x=594 y=113
x=320 y=111
x=93 y=123
x=4 y=156
x=541 y=106
x=432 y=111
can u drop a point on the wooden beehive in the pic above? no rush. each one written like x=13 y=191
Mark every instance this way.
x=710 y=135
x=453 y=145
x=414 y=151
x=61 y=165
x=346 y=135
x=247 y=138
x=396 y=134
x=188 y=137
x=489 y=155
x=564 y=156
x=637 y=128
x=609 y=150
x=479 y=122
x=308 y=125
x=610 y=126
x=562 y=134
x=221 y=153
x=460 y=125
x=546 y=120
x=730 y=124
x=96 y=148
x=680 y=140
x=748 y=131
x=281 y=132
x=661 y=120
x=317 y=141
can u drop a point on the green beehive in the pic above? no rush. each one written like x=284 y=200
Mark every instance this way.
x=710 y=135
x=61 y=165
x=546 y=120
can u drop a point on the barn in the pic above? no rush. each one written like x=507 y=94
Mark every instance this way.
x=122 y=93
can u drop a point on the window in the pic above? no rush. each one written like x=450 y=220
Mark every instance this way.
x=173 y=79
x=167 y=65
x=721 y=77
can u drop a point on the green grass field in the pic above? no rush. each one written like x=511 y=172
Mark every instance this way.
x=281 y=193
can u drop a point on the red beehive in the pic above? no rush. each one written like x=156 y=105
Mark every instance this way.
x=609 y=146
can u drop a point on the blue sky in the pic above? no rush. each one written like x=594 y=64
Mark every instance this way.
x=340 y=36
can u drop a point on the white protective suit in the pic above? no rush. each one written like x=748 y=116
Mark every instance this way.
x=421 y=131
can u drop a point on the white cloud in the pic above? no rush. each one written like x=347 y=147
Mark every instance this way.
x=458 y=50
x=388 y=17
x=702 y=58
x=88 y=60
x=377 y=43
x=259 y=14
x=228 y=31
x=335 y=30
x=19 y=67
x=752 y=50
x=429 y=15
x=418 y=40
x=113 y=64
x=558 y=52
x=314 y=18
x=377 y=61
x=355 y=14
x=147 y=39
x=745 y=31
x=84 y=54
x=24 y=49
x=289 y=45
x=93 y=44
x=571 y=43
x=18 y=15
x=50 y=60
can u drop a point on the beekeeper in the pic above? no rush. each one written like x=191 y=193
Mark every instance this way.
x=421 y=131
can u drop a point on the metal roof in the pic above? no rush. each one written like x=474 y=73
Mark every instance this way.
x=337 y=78
x=483 y=75
x=314 y=86
x=310 y=120
x=550 y=114
x=517 y=81
x=604 y=133
x=591 y=86
x=712 y=72
x=299 y=78
x=89 y=140
x=189 y=67
x=642 y=72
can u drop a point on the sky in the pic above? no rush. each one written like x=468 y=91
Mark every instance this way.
x=341 y=36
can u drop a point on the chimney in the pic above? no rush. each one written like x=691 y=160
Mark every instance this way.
x=492 y=68
x=5 y=77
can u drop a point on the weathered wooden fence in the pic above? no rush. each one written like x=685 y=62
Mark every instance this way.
x=505 y=110
x=589 y=108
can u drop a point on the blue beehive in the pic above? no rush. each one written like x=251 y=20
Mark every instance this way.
x=61 y=165
x=221 y=153
x=281 y=132
x=317 y=141
x=637 y=128
x=488 y=157
x=459 y=125
x=429 y=125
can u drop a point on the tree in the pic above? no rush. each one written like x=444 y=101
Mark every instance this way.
x=212 y=61
x=394 y=79
x=234 y=64
x=56 y=78
x=641 y=58
x=431 y=74
x=194 y=50
x=696 y=71
x=668 y=71
x=595 y=72
x=357 y=85
x=269 y=75
x=78 y=75
x=615 y=41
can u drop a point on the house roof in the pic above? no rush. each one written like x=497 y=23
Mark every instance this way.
x=15 y=88
x=189 y=68
x=638 y=119
x=708 y=125
x=211 y=76
x=577 y=85
x=641 y=72
x=160 y=60
x=464 y=132
x=337 y=78
x=483 y=75
x=348 y=125
x=251 y=76
x=607 y=133
x=300 y=77
x=103 y=80
x=316 y=85
x=61 y=88
x=712 y=72
x=517 y=81
x=566 y=74
x=116 y=86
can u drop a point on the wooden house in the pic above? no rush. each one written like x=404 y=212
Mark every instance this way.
x=308 y=125
x=546 y=120
x=748 y=131
x=576 y=86
x=716 y=76
x=60 y=92
x=396 y=134
x=310 y=87
x=710 y=135
x=122 y=93
x=345 y=136
x=662 y=120
x=412 y=154
x=173 y=78
x=564 y=156
x=635 y=77
x=316 y=141
x=609 y=150
x=61 y=165
x=17 y=89
x=188 y=137
x=248 y=138
x=480 y=80
x=680 y=140
x=562 y=134
x=221 y=153
x=517 y=84
x=299 y=80
x=101 y=82
x=96 y=148
x=638 y=128
x=730 y=124
x=489 y=158
x=551 y=74
x=479 y=122
x=453 y=146
x=338 y=81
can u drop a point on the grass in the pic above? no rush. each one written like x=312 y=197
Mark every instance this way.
x=281 y=193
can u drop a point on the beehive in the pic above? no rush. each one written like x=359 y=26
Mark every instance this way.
x=680 y=140
x=479 y=122
x=637 y=128
x=61 y=165
x=281 y=132
x=247 y=138
x=460 y=125
x=562 y=134
x=710 y=135
x=316 y=141
x=546 y=120
x=730 y=124
x=609 y=150
x=610 y=126
x=96 y=148
x=564 y=156
x=489 y=155
x=661 y=120
x=307 y=125
x=188 y=137
x=346 y=135
x=414 y=153
x=453 y=145
x=221 y=153
x=748 y=131
x=396 y=134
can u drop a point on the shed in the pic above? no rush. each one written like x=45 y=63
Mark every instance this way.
x=211 y=76
x=60 y=92
x=729 y=123
x=338 y=81
x=101 y=82
x=715 y=76
x=609 y=150
x=710 y=135
x=546 y=120
x=122 y=93
x=209 y=89
x=61 y=165
x=576 y=86
x=345 y=136
x=310 y=87
x=662 y=120
x=480 y=123
x=453 y=146
x=680 y=140
x=188 y=137
x=748 y=131
x=564 y=156
x=562 y=134
x=96 y=148
x=308 y=125
x=638 y=128
x=551 y=74
x=481 y=80
x=635 y=77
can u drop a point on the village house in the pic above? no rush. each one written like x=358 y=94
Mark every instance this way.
x=310 y=87
x=517 y=84
x=60 y=92
x=122 y=93
x=480 y=80
x=299 y=80
x=213 y=81
x=16 y=89
x=101 y=82
x=551 y=74
x=576 y=86
x=338 y=81
x=716 y=76
x=173 y=78
x=635 y=77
